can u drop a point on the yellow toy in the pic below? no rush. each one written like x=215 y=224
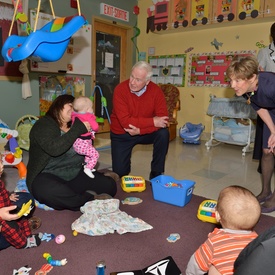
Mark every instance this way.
x=26 y=209
x=207 y=211
x=133 y=184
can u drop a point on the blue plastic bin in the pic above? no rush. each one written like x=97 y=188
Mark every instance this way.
x=169 y=190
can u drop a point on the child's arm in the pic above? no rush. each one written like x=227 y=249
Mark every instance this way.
x=193 y=268
x=14 y=197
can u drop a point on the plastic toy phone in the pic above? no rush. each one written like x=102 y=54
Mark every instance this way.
x=207 y=211
x=133 y=183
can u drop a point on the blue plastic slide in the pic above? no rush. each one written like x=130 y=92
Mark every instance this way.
x=42 y=45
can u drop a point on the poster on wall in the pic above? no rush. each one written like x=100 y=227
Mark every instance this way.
x=51 y=86
x=7 y=69
x=250 y=9
x=224 y=10
x=200 y=12
x=209 y=69
x=77 y=57
x=168 y=69
x=181 y=13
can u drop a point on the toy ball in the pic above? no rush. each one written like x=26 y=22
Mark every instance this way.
x=60 y=239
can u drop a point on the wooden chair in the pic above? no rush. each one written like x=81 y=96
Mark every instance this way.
x=172 y=96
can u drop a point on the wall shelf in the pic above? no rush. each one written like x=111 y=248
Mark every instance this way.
x=223 y=24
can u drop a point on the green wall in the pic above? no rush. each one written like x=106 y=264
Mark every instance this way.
x=12 y=105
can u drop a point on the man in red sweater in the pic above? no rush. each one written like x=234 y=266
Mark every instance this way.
x=139 y=116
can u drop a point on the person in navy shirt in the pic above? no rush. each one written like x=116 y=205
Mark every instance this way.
x=258 y=88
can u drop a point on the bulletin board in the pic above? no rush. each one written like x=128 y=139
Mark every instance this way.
x=77 y=59
x=8 y=70
x=209 y=69
x=168 y=69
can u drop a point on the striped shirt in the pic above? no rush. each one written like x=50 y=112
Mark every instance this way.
x=222 y=248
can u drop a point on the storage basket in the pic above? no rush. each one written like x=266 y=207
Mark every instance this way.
x=235 y=107
x=169 y=190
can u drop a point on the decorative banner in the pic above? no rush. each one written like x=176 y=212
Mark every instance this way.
x=209 y=69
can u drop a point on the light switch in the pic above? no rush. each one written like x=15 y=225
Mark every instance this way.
x=151 y=50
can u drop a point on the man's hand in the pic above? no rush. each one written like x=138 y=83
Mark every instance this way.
x=5 y=213
x=161 y=122
x=132 y=130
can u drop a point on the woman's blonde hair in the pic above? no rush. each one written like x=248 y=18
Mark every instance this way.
x=243 y=67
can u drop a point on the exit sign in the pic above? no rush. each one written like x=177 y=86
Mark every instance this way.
x=114 y=12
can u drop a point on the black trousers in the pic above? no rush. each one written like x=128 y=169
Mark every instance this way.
x=60 y=194
x=122 y=146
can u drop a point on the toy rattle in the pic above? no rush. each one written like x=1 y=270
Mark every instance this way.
x=59 y=239
x=207 y=211
x=52 y=262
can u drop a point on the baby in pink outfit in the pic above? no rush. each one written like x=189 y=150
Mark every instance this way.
x=83 y=109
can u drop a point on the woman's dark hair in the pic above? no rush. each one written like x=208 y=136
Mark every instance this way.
x=57 y=106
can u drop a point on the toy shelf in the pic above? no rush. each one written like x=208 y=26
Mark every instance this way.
x=231 y=123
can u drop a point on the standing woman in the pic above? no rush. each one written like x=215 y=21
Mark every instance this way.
x=266 y=59
x=259 y=90
x=55 y=174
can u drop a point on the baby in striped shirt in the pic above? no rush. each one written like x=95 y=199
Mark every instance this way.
x=238 y=211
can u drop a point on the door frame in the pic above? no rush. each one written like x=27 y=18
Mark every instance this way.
x=125 y=65
x=129 y=49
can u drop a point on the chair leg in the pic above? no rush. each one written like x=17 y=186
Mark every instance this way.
x=172 y=131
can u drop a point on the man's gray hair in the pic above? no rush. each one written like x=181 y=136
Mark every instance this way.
x=146 y=66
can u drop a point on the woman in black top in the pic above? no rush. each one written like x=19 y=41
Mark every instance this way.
x=55 y=174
